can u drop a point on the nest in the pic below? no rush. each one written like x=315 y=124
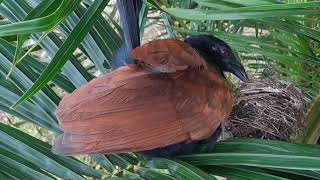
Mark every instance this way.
x=268 y=109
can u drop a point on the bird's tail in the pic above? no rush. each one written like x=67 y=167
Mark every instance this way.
x=129 y=16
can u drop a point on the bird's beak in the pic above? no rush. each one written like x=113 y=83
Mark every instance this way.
x=238 y=70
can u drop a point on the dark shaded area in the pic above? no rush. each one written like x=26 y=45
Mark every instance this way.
x=184 y=148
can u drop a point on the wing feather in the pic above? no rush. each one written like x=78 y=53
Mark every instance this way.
x=168 y=56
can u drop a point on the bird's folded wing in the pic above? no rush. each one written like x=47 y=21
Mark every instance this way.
x=167 y=56
x=133 y=110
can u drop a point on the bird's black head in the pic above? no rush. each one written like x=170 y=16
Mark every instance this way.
x=216 y=52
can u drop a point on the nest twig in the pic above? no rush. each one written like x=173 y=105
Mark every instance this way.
x=268 y=109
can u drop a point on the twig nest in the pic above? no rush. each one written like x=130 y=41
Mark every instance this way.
x=269 y=109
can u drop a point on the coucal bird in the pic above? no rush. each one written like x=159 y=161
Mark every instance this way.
x=142 y=107
x=171 y=101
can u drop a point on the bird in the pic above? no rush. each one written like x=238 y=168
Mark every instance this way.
x=171 y=101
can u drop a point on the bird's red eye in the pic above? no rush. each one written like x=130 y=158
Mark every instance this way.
x=225 y=52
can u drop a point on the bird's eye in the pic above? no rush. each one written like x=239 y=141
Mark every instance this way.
x=225 y=52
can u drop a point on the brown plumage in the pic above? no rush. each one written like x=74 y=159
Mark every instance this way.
x=170 y=96
x=168 y=56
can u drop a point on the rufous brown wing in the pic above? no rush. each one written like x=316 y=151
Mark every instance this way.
x=134 y=109
x=168 y=56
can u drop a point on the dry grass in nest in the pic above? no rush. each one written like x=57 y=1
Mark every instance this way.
x=268 y=109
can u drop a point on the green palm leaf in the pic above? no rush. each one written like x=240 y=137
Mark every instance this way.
x=66 y=50
x=26 y=157
x=75 y=34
